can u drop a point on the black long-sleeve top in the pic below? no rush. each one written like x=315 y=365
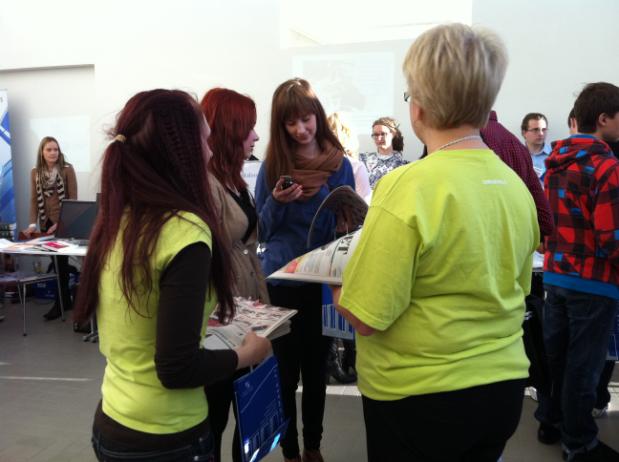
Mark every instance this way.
x=179 y=360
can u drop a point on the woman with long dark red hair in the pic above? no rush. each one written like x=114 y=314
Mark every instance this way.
x=232 y=117
x=156 y=268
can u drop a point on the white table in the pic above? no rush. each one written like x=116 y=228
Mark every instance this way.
x=23 y=279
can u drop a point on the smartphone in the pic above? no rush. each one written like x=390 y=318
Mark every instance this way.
x=288 y=181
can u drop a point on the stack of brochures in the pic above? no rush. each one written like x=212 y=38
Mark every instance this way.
x=250 y=315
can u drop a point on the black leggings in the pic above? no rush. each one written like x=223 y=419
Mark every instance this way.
x=303 y=352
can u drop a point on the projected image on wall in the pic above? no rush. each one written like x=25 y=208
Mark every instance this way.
x=358 y=84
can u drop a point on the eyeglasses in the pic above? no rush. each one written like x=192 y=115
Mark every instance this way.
x=407 y=96
x=537 y=130
x=378 y=135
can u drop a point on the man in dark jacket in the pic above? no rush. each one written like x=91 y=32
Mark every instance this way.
x=581 y=272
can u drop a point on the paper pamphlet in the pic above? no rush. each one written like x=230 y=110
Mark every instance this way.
x=250 y=315
x=348 y=206
x=46 y=243
x=324 y=264
x=260 y=412
x=333 y=323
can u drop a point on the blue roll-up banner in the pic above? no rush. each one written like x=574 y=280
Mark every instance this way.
x=7 y=196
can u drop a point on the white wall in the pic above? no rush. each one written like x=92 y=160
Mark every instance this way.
x=554 y=46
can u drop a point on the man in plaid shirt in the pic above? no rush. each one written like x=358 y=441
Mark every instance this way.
x=581 y=272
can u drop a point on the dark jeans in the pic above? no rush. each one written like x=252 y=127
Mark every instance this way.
x=473 y=424
x=220 y=396
x=577 y=329
x=200 y=451
x=303 y=352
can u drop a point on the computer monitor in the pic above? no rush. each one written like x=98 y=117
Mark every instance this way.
x=76 y=219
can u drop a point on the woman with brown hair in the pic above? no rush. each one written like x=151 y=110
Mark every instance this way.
x=304 y=161
x=389 y=145
x=51 y=181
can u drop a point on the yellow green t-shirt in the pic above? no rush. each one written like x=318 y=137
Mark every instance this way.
x=132 y=392
x=441 y=271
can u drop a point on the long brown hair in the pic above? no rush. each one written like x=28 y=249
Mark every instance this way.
x=41 y=166
x=232 y=117
x=153 y=169
x=293 y=99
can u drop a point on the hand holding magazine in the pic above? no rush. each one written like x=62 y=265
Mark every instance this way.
x=349 y=208
x=250 y=315
x=324 y=264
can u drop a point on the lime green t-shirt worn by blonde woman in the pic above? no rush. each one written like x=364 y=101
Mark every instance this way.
x=441 y=271
x=132 y=393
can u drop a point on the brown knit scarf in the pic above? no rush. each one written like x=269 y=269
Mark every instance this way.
x=313 y=173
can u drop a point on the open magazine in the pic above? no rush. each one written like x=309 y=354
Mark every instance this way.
x=348 y=206
x=324 y=264
x=250 y=315
x=45 y=243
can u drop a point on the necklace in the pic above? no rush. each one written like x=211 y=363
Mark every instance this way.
x=458 y=140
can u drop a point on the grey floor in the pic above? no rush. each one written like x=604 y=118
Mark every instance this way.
x=49 y=387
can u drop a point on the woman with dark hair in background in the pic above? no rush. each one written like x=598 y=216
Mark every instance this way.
x=51 y=181
x=304 y=161
x=232 y=117
x=157 y=266
x=389 y=145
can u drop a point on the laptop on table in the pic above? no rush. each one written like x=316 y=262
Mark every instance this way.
x=76 y=221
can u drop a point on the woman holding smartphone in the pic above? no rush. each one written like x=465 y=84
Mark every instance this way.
x=302 y=147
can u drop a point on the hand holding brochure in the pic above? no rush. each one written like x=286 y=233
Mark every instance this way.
x=250 y=315
x=324 y=264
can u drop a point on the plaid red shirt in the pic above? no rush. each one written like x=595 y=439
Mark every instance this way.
x=582 y=186
x=513 y=153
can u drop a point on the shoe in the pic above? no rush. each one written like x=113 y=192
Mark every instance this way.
x=599 y=412
x=547 y=434
x=81 y=328
x=531 y=392
x=53 y=313
x=600 y=453
x=312 y=455
x=294 y=459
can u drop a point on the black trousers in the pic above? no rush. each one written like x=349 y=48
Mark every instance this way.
x=470 y=425
x=302 y=353
x=63 y=275
x=220 y=396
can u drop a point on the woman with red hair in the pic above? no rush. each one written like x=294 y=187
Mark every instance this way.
x=157 y=266
x=232 y=118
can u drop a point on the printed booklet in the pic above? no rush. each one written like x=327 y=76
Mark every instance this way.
x=250 y=315
x=324 y=264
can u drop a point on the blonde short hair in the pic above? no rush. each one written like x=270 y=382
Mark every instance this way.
x=454 y=72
